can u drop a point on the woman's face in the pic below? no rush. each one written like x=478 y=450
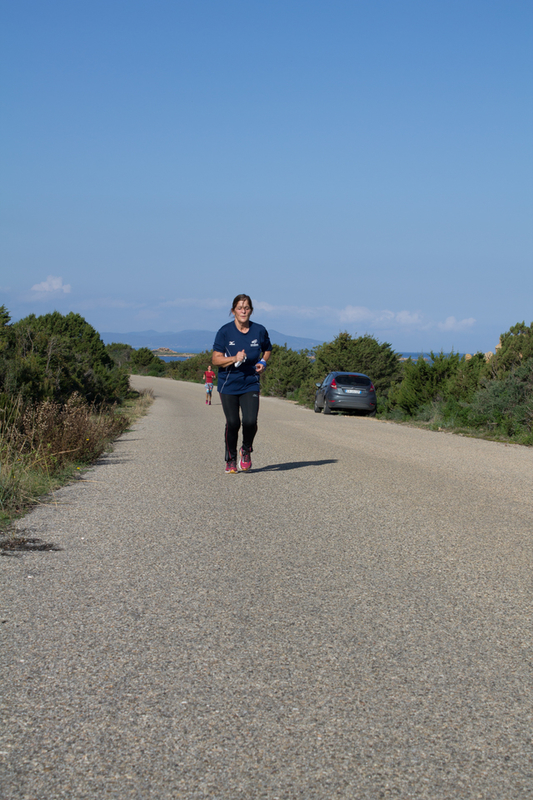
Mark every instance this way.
x=242 y=312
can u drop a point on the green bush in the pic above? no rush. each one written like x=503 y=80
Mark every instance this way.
x=364 y=354
x=144 y=362
x=192 y=369
x=516 y=347
x=345 y=354
x=454 y=392
x=157 y=370
x=415 y=389
x=120 y=353
x=143 y=357
x=59 y=404
x=444 y=377
x=506 y=405
x=53 y=356
x=287 y=370
x=464 y=382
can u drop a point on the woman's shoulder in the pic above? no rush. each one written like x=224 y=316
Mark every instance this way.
x=225 y=329
x=260 y=330
x=257 y=326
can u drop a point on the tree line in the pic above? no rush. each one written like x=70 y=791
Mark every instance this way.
x=491 y=396
x=62 y=401
x=51 y=357
x=64 y=395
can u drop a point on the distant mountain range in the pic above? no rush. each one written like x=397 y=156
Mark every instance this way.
x=196 y=341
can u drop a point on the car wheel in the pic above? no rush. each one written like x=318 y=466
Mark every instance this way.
x=317 y=408
x=327 y=409
x=371 y=413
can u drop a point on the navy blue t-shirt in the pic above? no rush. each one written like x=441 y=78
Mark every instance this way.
x=230 y=341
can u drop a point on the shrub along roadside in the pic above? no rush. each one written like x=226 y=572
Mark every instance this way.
x=53 y=356
x=287 y=371
x=491 y=399
x=192 y=369
x=144 y=362
x=515 y=348
x=45 y=444
x=120 y=353
x=62 y=402
x=466 y=399
x=444 y=377
x=346 y=354
x=505 y=406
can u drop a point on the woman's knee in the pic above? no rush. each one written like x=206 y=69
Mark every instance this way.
x=233 y=424
x=249 y=420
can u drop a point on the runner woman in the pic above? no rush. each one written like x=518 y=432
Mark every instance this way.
x=241 y=351
x=209 y=377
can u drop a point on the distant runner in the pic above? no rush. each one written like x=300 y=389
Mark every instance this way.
x=241 y=351
x=209 y=377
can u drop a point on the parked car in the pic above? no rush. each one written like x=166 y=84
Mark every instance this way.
x=346 y=391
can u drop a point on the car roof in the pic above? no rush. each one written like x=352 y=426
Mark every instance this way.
x=350 y=373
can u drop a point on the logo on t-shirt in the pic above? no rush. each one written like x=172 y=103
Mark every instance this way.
x=255 y=343
x=231 y=343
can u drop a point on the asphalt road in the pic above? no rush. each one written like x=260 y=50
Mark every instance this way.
x=352 y=619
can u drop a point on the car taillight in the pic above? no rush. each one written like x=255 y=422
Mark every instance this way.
x=333 y=384
x=372 y=387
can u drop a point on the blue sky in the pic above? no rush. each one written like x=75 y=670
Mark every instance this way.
x=359 y=165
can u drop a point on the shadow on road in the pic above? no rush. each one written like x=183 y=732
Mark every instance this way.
x=11 y=544
x=295 y=465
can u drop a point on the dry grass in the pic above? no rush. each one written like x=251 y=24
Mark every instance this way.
x=43 y=445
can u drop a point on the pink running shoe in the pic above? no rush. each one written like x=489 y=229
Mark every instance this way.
x=245 y=461
x=231 y=467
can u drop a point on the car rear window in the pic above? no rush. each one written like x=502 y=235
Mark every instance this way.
x=352 y=380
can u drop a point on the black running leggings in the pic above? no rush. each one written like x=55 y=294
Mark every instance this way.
x=248 y=405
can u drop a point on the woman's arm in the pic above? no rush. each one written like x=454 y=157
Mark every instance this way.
x=220 y=360
x=259 y=368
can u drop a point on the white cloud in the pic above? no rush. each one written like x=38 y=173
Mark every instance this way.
x=355 y=314
x=409 y=318
x=452 y=324
x=266 y=307
x=387 y=321
x=308 y=312
x=371 y=319
x=349 y=315
x=52 y=285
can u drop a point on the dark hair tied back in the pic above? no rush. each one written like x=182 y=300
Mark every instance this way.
x=238 y=300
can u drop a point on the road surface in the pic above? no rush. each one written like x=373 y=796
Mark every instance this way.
x=352 y=619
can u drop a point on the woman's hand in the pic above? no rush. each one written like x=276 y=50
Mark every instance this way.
x=241 y=356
